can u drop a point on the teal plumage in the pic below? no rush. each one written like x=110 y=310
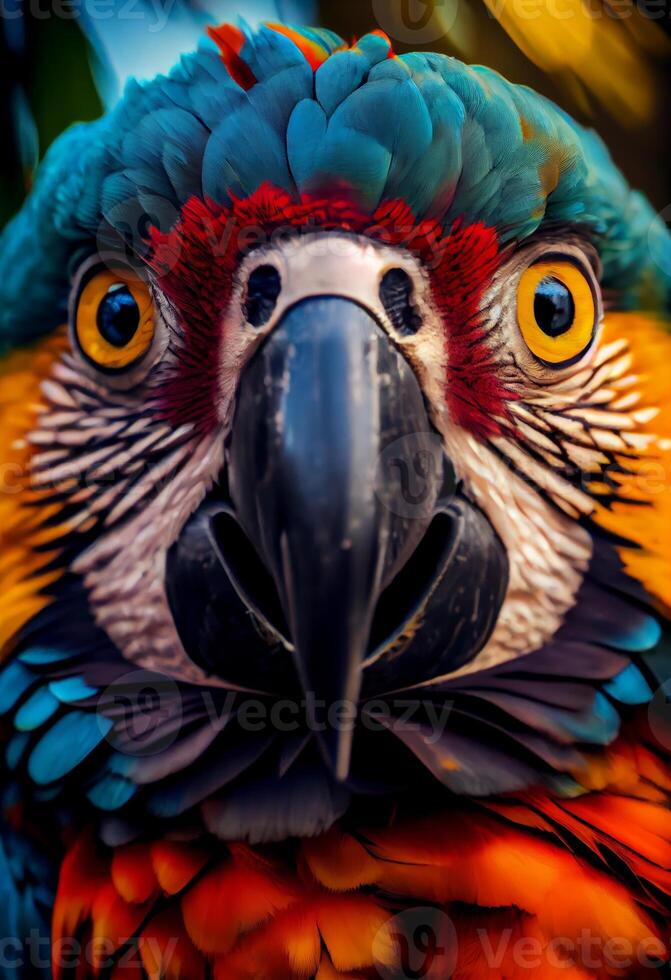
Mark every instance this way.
x=28 y=882
x=37 y=710
x=452 y=141
x=81 y=731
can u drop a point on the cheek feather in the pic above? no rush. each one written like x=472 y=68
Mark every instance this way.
x=474 y=393
x=26 y=530
x=642 y=514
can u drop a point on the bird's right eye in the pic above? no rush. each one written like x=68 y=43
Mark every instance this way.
x=114 y=319
x=556 y=311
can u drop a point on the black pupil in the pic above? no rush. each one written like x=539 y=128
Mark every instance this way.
x=118 y=316
x=554 y=308
x=396 y=294
x=263 y=288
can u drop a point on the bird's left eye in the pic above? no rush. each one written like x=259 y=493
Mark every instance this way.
x=556 y=311
x=114 y=319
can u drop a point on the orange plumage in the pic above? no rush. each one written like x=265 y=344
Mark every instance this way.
x=525 y=881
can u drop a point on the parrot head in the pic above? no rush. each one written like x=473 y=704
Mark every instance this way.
x=333 y=425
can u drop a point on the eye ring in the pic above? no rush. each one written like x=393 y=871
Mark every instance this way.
x=113 y=319
x=556 y=311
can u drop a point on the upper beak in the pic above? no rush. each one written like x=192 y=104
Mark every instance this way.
x=318 y=408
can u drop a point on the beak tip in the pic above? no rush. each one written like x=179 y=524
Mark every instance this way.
x=336 y=746
x=315 y=410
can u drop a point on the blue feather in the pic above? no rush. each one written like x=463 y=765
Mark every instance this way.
x=40 y=656
x=339 y=77
x=629 y=687
x=305 y=135
x=15 y=749
x=227 y=170
x=37 y=710
x=27 y=888
x=14 y=682
x=45 y=794
x=600 y=726
x=66 y=745
x=71 y=689
x=643 y=633
x=111 y=793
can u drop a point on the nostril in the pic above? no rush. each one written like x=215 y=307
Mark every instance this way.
x=263 y=288
x=397 y=296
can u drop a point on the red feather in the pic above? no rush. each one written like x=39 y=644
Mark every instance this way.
x=530 y=886
x=196 y=262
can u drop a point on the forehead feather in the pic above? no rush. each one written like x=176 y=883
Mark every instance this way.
x=308 y=113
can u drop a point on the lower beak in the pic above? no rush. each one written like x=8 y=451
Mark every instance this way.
x=318 y=489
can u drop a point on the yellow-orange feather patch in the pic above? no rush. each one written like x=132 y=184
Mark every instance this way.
x=513 y=876
x=22 y=525
x=645 y=517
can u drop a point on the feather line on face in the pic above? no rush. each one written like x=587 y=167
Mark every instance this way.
x=25 y=529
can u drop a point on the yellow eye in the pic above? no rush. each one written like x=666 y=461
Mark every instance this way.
x=556 y=311
x=114 y=319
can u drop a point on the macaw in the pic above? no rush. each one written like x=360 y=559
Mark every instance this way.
x=335 y=575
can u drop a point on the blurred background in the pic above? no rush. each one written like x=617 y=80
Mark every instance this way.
x=607 y=62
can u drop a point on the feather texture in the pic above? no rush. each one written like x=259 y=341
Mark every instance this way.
x=458 y=142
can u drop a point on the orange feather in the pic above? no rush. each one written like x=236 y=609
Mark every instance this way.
x=522 y=880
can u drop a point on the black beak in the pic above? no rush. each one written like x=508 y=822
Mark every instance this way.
x=322 y=404
x=338 y=537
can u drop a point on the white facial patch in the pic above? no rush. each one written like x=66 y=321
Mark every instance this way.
x=318 y=264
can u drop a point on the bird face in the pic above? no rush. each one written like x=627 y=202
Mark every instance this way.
x=308 y=450
x=337 y=467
